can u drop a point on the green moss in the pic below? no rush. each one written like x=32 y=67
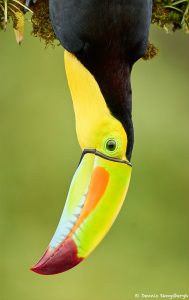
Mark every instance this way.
x=171 y=13
x=42 y=26
x=151 y=52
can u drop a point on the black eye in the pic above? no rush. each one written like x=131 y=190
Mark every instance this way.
x=111 y=145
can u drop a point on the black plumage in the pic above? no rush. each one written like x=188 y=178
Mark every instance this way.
x=108 y=37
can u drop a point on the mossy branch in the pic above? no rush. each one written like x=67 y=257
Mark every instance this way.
x=171 y=15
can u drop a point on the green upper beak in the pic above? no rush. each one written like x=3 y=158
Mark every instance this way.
x=96 y=195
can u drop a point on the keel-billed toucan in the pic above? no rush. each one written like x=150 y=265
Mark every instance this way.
x=102 y=40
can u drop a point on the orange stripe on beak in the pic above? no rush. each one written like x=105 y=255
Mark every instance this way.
x=97 y=187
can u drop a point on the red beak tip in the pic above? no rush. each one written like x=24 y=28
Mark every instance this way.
x=37 y=270
x=62 y=259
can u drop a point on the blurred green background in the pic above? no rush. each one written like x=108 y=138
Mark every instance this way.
x=147 y=250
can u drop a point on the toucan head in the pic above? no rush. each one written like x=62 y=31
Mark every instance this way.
x=101 y=180
x=105 y=38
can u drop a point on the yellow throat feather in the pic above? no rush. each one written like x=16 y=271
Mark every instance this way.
x=94 y=122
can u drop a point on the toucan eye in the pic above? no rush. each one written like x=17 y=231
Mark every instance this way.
x=111 y=145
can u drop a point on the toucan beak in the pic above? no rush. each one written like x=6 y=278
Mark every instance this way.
x=96 y=195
